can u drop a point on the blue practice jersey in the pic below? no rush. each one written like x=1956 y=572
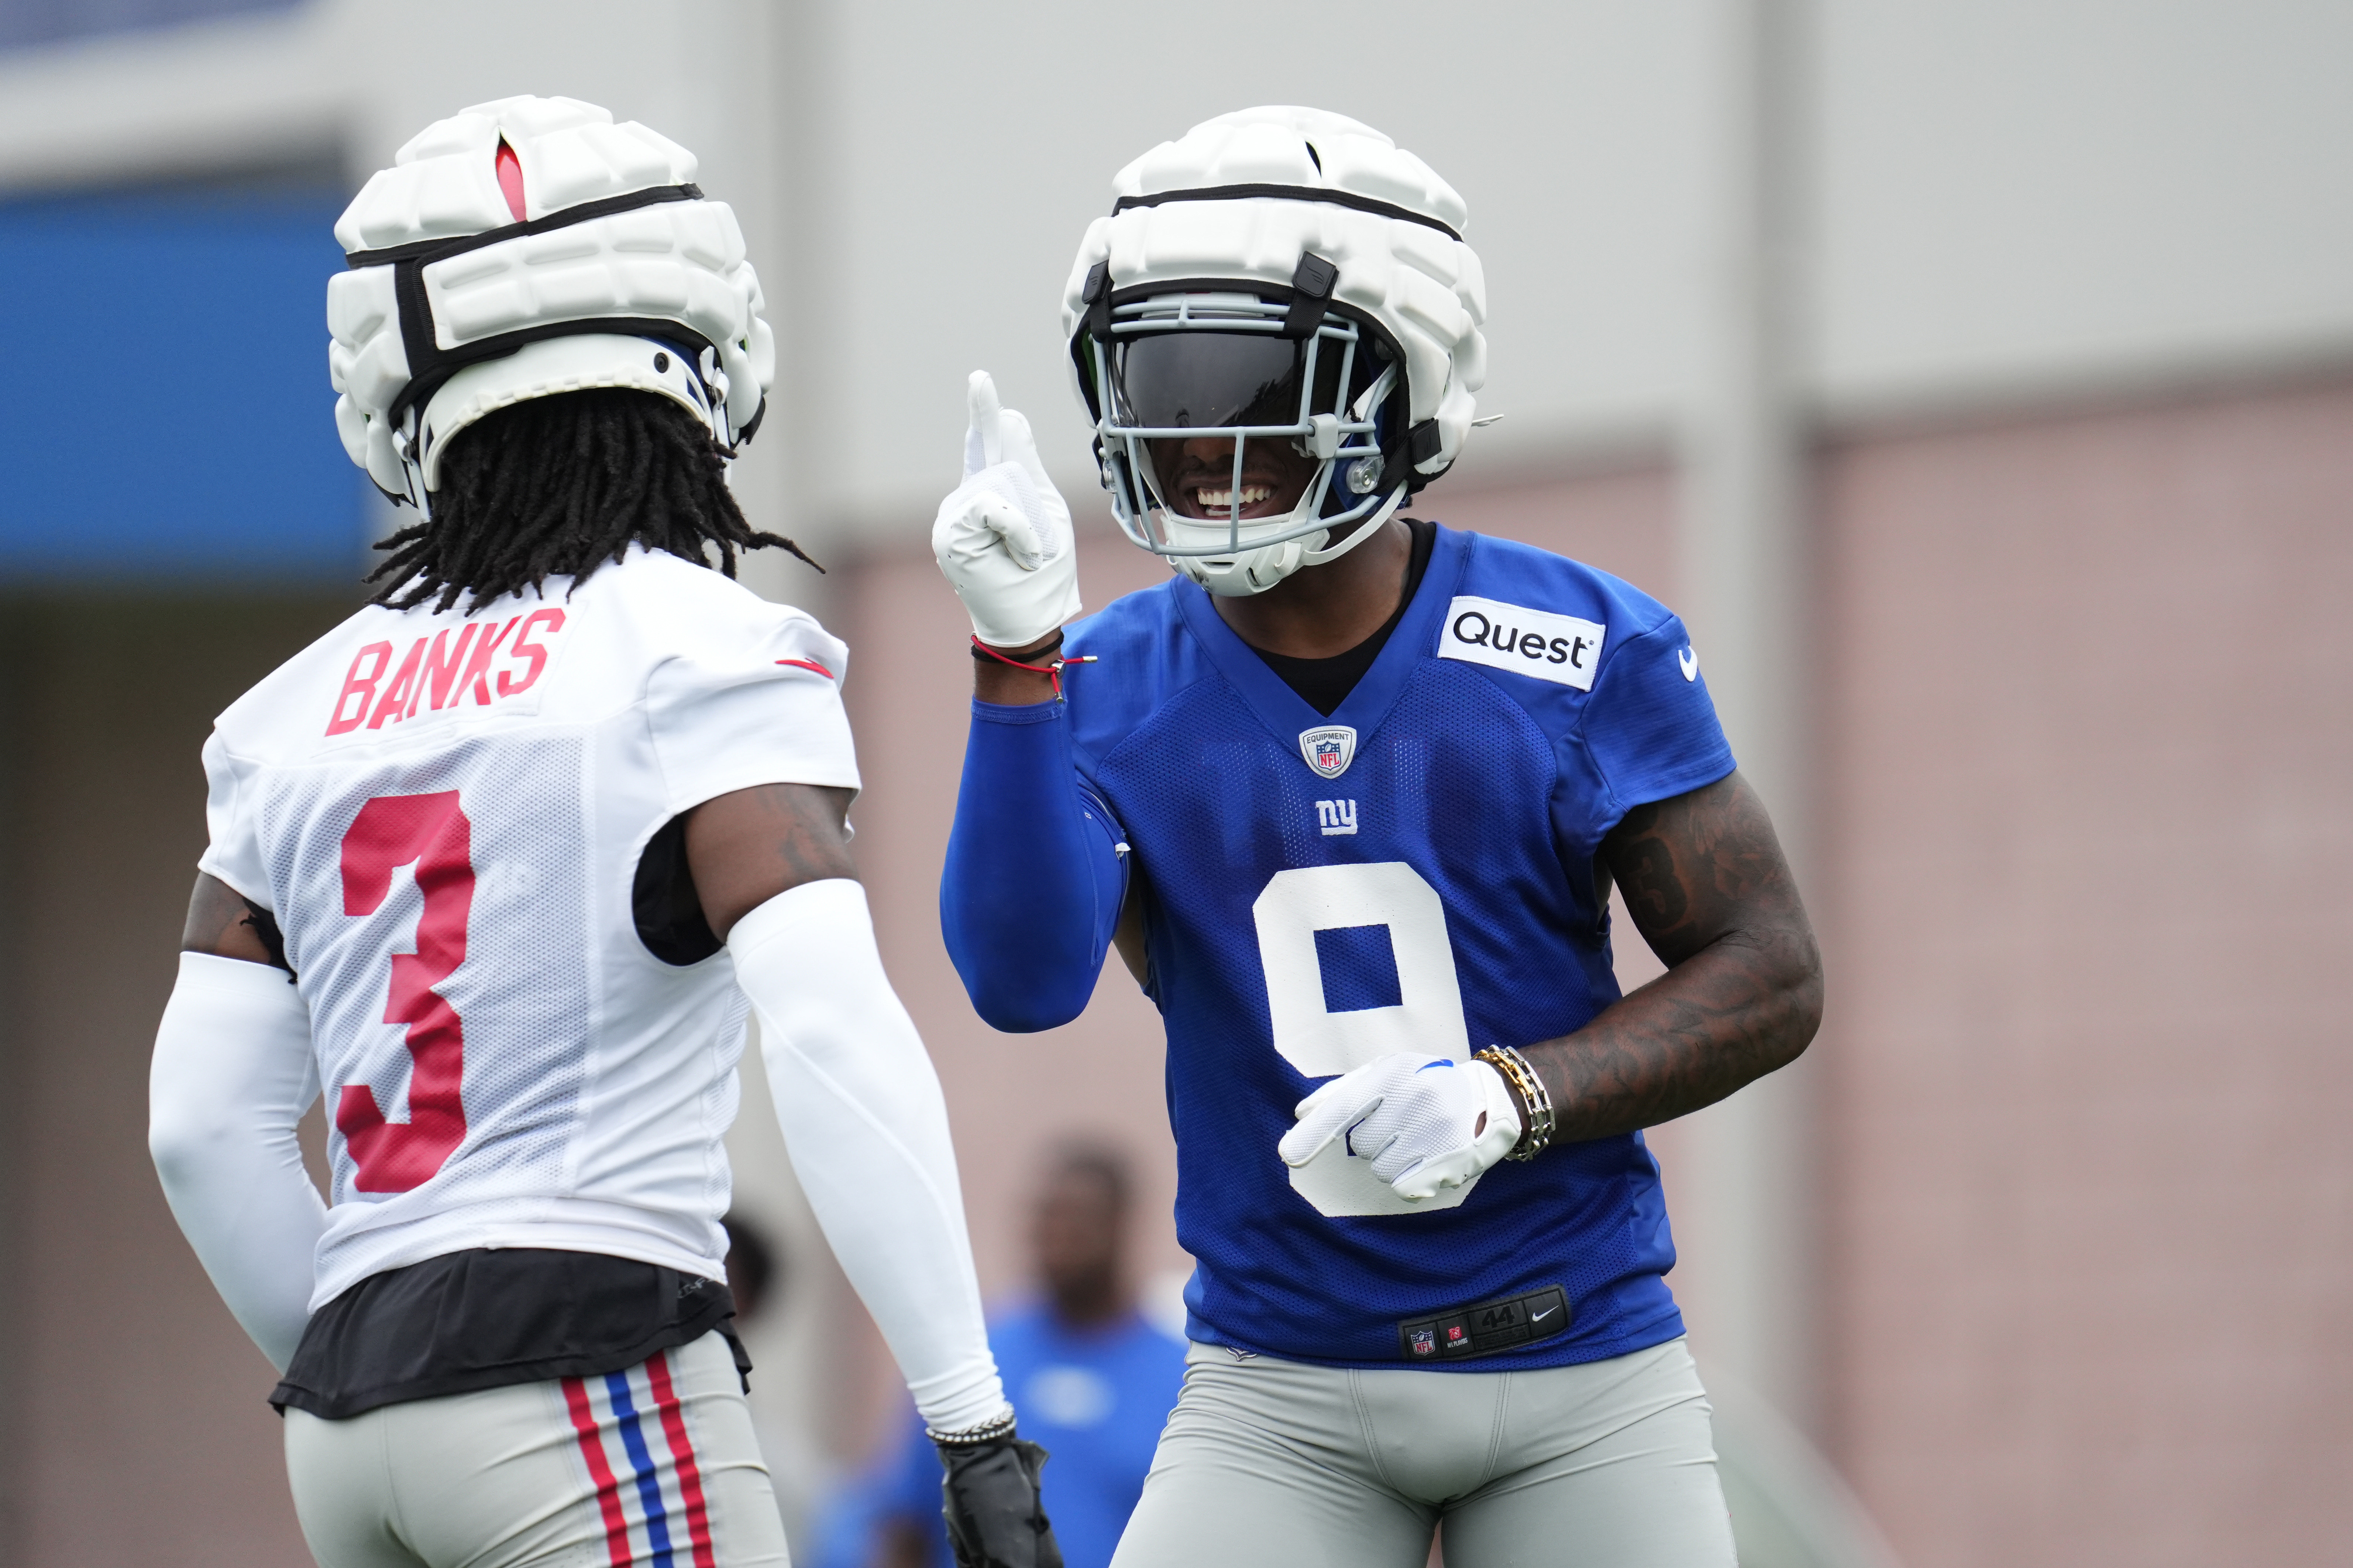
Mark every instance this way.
x=1095 y=1399
x=1414 y=872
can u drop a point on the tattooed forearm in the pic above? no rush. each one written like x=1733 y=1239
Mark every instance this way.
x=1705 y=1028
x=1705 y=883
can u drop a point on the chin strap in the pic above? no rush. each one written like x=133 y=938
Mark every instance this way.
x=412 y=468
x=1364 y=531
x=1244 y=560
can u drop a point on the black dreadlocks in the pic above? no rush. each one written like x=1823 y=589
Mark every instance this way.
x=558 y=486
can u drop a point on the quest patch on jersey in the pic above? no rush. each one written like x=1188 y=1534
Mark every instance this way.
x=1523 y=641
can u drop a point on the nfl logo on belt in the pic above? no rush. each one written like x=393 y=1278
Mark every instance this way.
x=1328 y=749
x=1425 y=1342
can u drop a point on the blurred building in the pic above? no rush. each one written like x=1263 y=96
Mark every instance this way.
x=1976 y=375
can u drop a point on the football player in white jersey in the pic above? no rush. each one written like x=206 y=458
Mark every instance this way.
x=501 y=864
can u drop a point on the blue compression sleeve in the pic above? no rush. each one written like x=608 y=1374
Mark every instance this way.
x=1034 y=877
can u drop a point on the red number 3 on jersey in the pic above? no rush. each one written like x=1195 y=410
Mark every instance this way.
x=392 y=831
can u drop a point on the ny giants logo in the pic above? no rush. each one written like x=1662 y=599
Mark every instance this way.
x=436 y=673
x=1334 y=817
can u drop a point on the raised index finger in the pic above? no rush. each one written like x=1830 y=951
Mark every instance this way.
x=981 y=393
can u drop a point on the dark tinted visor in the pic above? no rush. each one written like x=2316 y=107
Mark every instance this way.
x=1194 y=380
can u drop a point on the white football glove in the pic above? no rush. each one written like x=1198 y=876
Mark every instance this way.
x=1425 y=1124
x=1003 y=537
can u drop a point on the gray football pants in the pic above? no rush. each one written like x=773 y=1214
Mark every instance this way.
x=655 y=1464
x=1274 y=1464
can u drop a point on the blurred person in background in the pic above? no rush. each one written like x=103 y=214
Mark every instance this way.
x=1350 y=792
x=502 y=862
x=1093 y=1376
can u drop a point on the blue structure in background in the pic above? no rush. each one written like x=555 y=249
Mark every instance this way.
x=164 y=410
x=25 y=22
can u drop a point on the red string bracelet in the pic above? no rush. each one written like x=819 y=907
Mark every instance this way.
x=1052 y=669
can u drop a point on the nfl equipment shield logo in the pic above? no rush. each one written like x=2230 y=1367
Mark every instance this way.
x=1329 y=750
x=1425 y=1342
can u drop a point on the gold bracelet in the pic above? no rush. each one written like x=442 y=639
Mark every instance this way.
x=1535 y=1100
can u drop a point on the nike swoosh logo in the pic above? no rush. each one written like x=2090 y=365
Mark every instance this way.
x=1690 y=661
x=1540 y=1317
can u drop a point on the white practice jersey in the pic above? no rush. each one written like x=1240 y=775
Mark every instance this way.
x=445 y=813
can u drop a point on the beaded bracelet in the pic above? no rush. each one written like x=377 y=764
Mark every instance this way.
x=986 y=1432
x=1535 y=1100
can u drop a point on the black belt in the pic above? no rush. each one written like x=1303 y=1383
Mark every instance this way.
x=1504 y=1323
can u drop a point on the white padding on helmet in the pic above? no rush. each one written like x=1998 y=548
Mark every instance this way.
x=1243 y=197
x=575 y=363
x=445 y=274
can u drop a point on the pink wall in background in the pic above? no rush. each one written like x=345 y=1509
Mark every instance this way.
x=137 y=1430
x=2086 y=731
x=2086 y=841
x=1620 y=519
x=1010 y=1097
x=2089 y=700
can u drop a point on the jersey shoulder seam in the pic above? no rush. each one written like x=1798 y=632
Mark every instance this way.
x=1585 y=710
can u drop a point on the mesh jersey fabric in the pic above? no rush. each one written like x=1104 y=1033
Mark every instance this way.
x=445 y=813
x=1437 y=895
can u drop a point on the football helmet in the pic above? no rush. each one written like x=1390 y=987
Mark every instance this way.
x=531 y=246
x=1277 y=275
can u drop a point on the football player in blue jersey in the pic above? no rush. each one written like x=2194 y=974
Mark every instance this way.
x=1349 y=794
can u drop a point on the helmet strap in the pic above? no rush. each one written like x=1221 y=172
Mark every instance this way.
x=1357 y=535
x=412 y=464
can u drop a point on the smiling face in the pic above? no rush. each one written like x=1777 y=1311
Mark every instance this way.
x=1197 y=476
x=1214 y=381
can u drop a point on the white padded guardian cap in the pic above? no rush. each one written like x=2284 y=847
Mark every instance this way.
x=1302 y=225
x=578 y=363
x=512 y=228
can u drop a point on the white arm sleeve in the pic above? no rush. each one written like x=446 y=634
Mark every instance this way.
x=867 y=1127
x=233 y=1073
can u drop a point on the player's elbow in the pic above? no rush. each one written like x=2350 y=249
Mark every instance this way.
x=1023 y=1009
x=1022 y=979
x=1777 y=971
x=184 y=1143
x=1018 y=992
x=1799 y=965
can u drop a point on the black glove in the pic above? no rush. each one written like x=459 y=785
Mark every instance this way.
x=996 y=1519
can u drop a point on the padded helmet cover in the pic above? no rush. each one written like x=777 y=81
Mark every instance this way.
x=1416 y=278
x=614 y=239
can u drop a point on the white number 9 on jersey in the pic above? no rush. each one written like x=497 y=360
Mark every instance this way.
x=1415 y=1003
